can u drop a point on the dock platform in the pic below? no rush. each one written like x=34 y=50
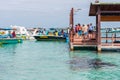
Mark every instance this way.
x=104 y=12
x=108 y=42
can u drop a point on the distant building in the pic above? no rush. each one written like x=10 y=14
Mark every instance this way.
x=96 y=1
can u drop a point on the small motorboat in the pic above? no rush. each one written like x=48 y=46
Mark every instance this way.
x=6 y=37
x=50 y=35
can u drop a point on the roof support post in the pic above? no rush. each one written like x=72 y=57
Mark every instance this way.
x=72 y=18
x=98 y=27
x=71 y=24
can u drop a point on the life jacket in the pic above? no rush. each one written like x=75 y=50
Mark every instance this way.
x=79 y=28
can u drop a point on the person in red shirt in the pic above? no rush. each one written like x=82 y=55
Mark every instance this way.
x=13 y=34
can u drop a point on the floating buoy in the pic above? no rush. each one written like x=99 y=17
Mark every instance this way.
x=19 y=41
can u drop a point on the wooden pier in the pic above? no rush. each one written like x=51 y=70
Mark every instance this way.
x=102 y=12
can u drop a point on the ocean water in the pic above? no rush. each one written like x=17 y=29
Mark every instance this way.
x=34 y=60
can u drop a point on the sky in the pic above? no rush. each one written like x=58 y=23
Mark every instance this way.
x=45 y=13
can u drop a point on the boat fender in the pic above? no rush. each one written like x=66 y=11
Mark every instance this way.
x=19 y=41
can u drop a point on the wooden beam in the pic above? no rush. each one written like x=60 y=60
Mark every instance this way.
x=110 y=12
x=110 y=18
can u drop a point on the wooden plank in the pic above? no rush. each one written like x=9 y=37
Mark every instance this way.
x=113 y=12
x=110 y=18
x=109 y=44
x=110 y=38
x=110 y=47
x=84 y=45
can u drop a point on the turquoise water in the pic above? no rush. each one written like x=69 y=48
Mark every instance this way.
x=32 y=60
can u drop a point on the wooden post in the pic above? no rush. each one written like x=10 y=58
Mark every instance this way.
x=113 y=39
x=98 y=30
x=71 y=24
x=71 y=32
x=72 y=17
x=115 y=34
x=106 y=35
x=71 y=46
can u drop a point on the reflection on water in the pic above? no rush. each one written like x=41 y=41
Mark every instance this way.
x=98 y=63
x=8 y=48
x=78 y=62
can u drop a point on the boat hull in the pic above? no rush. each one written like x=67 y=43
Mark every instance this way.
x=10 y=41
x=49 y=38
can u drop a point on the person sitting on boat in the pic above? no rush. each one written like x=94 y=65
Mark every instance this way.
x=44 y=32
x=56 y=33
x=9 y=34
x=62 y=32
x=13 y=34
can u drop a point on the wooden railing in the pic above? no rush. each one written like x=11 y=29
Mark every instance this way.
x=81 y=40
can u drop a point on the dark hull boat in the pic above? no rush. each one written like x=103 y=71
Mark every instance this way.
x=49 y=38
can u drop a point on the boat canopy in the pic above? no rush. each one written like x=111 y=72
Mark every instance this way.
x=6 y=29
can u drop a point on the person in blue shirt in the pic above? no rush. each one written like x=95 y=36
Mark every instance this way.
x=91 y=29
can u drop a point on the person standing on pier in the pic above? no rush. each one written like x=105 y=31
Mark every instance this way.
x=85 y=31
x=90 y=31
x=79 y=30
x=76 y=30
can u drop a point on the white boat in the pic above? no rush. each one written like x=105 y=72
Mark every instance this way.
x=21 y=32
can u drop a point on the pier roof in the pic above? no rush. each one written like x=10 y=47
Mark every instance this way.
x=109 y=11
x=106 y=8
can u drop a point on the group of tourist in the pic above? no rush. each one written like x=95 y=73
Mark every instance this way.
x=53 y=32
x=85 y=30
